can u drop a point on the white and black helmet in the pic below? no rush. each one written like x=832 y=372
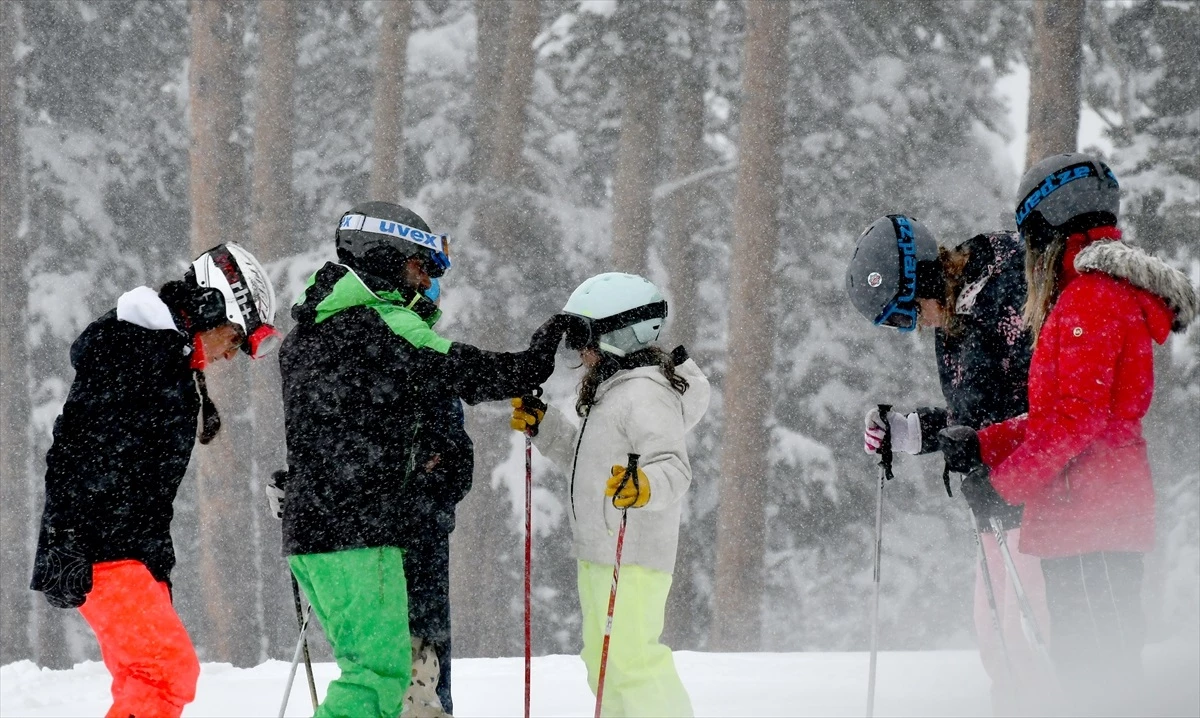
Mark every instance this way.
x=246 y=291
x=894 y=264
x=615 y=312
x=1067 y=193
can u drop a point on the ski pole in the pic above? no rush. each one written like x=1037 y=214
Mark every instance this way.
x=1028 y=620
x=528 y=565
x=302 y=619
x=885 y=473
x=990 y=591
x=287 y=690
x=631 y=470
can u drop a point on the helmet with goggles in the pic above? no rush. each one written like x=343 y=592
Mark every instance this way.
x=380 y=237
x=616 y=313
x=247 y=298
x=895 y=263
x=1065 y=194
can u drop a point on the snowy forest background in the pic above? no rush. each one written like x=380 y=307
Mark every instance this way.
x=729 y=150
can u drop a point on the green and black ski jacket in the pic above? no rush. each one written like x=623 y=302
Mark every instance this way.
x=363 y=374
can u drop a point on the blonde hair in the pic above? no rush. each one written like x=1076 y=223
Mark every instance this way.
x=1042 y=266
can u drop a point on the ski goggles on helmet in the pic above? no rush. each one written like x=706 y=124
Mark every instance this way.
x=584 y=332
x=898 y=314
x=262 y=341
x=437 y=262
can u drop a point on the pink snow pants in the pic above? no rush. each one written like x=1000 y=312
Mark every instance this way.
x=1026 y=691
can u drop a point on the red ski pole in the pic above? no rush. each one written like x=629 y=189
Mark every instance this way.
x=528 y=564
x=631 y=470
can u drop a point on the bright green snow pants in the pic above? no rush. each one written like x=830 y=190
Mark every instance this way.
x=361 y=600
x=640 y=679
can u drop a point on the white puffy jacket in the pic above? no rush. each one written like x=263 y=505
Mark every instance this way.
x=636 y=411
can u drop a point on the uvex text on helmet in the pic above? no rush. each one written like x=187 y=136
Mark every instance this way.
x=615 y=312
x=894 y=260
x=1069 y=193
x=384 y=225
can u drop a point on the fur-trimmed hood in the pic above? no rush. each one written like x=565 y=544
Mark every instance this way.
x=1144 y=271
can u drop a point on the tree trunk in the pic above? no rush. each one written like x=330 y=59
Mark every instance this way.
x=481 y=588
x=642 y=31
x=1056 y=58
x=224 y=467
x=682 y=271
x=490 y=19
x=388 y=108
x=688 y=143
x=635 y=175
x=274 y=238
x=741 y=521
x=16 y=497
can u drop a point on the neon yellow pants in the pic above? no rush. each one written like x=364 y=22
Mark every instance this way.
x=640 y=679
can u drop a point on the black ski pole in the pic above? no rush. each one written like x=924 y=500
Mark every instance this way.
x=302 y=620
x=885 y=473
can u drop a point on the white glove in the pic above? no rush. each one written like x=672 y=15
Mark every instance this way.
x=275 y=495
x=906 y=432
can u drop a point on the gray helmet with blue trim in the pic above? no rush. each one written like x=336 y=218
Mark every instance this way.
x=894 y=264
x=1067 y=193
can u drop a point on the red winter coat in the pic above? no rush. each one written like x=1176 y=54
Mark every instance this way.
x=1077 y=460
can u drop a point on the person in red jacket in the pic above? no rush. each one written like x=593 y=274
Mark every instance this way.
x=1077 y=461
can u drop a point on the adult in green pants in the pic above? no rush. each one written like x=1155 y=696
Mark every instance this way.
x=363 y=372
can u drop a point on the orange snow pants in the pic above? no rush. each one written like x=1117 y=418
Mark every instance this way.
x=144 y=644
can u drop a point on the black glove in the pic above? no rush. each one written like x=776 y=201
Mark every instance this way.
x=960 y=447
x=981 y=496
x=545 y=338
x=63 y=575
x=542 y=346
x=275 y=493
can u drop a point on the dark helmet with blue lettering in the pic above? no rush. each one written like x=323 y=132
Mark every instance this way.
x=895 y=263
x=1065 y=194
x=378 y=238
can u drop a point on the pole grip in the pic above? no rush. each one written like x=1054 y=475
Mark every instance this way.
x=885 y=449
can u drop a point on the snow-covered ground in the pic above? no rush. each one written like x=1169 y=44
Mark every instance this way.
x=925 y=683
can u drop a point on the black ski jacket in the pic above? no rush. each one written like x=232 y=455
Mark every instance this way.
x=121 y=447
x=984 y=366
x=366 y=386
x=443 y=473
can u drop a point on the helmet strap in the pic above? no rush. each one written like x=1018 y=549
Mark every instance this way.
x=199 y=356
x=931 y=280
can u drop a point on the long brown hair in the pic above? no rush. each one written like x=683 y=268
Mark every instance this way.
x=609 y=365
x=953 y=263
x=1042 y=264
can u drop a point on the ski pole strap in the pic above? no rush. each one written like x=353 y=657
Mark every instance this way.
x=631 y=474
x=885 y=449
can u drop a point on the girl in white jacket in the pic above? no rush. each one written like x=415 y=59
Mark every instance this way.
x=634 y=399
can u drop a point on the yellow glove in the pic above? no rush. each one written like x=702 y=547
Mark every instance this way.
x=528 y=412
x=633 y=494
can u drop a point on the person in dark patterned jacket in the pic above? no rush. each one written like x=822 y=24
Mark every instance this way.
x=972 y=295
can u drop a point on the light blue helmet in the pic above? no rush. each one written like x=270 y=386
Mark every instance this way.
x=615 y=312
